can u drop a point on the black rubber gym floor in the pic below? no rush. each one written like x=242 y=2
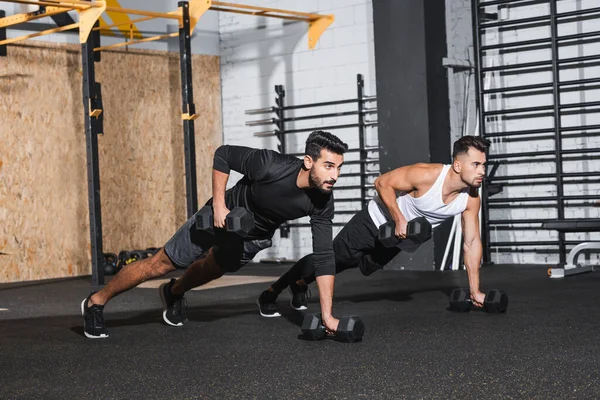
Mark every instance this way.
x=545 y=347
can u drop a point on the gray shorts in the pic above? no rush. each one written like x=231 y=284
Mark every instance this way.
x=231 y=251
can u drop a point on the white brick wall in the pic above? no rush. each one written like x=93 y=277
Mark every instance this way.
x=459 y=22
x=258 y=53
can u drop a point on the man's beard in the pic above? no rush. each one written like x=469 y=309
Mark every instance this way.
x=315 y=182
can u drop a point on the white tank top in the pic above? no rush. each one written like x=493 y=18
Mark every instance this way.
x=430 y=205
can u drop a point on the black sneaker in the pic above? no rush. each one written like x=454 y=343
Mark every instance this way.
x=300 y=296
x=267 y=305
x=93 y=320
x=174 y=306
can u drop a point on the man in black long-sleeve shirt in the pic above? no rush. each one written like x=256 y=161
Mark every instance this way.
x=275 y=188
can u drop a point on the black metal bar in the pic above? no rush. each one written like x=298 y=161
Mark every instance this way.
x=579 y=81
x=518 y=88
x=538 y=198
x=324 y=128
x=520 y=21
x=322 y=104
x=540 y=243
x=565 y=182
x=360 y=83
x=516 y=66
x=373 y=148
x=565 y=136
x=189 y=109
x=579 y=35
x=354 y=187
x=579 y=128
x=517 y=110
x=516 y=221
x=579 y=105
x=548 y=114
x=495 y=3
x=93 y=166
x=553 y=159
x=501 y=206
x=522 y=43
x=352 y=174
x=578 y=59
x=479 y=103
x=2 y=35
x=346 y=200
x=362 y=162
x=544 y=176
x=330 y=115
x=578 y=12
x=284 y=228
x=529 y=243
x=519 y=133
x=516 y=155
x=499 y=228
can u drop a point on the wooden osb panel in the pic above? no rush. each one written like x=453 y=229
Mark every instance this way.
x=43 y=178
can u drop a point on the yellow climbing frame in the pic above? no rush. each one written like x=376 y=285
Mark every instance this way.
x=90 y=12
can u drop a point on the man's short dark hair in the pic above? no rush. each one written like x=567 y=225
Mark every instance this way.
x=319 y=140
x=463 y=145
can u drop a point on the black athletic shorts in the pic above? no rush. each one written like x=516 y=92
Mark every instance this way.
x=232 y=252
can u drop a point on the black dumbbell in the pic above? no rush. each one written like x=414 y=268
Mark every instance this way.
x=239 y=221
x=496 y=301
x=350 y=329
x=418 y=230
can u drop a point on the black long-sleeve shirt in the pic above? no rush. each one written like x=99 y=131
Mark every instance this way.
x=269 y=190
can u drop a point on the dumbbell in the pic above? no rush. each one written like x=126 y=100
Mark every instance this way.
x=418 y=230
x=496 y=301
x=350 y=329
x=239 y=221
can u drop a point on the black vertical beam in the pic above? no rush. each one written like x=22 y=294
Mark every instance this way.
x=480 y=103
x=557 y=128
x=2 y=35
x=284 y=229
x=413 y=119
x=360 y=86
x=93 y=127
x=188 y=108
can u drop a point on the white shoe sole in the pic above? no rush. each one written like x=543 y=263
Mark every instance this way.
x=301 y=308
x=266 y=315
x=164 y=301
x=101 y=336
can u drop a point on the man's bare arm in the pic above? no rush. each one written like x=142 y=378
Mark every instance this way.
x=403 y=179
x=472 y=247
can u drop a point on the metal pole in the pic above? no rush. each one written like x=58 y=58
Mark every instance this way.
x=485 y=235
x=557 y=129
x=284 y=229
x=360 y=85
x=188 y=110
x=93 y=127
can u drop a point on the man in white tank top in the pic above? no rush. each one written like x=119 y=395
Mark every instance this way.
x=434 y=191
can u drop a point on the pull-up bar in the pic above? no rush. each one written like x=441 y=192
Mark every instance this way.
x=90 y=12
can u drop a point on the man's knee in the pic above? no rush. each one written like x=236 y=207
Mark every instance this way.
x=160 y=264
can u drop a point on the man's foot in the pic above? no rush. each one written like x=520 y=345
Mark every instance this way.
x=300 y=296
x=93 y=320
x=174 y=306
x=267 y=305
